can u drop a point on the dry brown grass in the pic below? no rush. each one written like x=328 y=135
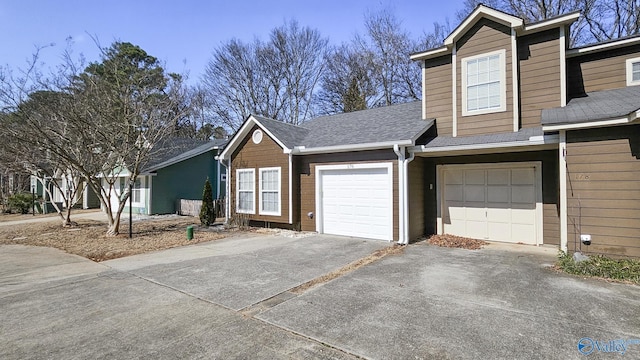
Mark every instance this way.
x=375 y=256
x=88 y=238
x=452 y=241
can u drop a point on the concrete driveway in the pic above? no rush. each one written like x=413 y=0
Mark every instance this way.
x=229 y=299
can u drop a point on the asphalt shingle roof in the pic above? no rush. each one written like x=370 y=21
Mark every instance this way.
x=177 y=149
x=290 y=135
x=522 y=135
x=383 y=124
x=598 y=105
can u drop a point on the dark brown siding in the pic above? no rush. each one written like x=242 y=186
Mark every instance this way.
x=439 y=93
x=266 y=154
x=307 y=173
x=550 y=209
x=602 y=71
x=486 y=36
x=603 y=180
x=539 y=58
x=417 y=190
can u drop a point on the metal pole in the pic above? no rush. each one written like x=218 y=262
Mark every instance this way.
x=130 y=210
x=33 y=202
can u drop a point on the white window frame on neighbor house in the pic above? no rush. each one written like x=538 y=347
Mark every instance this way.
x=630 y=63
x=250 y=189
x=502 y=78
x=277 y=191
x=136 y=190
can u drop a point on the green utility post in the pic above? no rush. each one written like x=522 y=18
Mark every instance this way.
x=190 y=232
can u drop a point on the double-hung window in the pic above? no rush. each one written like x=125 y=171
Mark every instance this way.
x=633 y=72
x=483 y=83
x=270 y=191
x=245 y=195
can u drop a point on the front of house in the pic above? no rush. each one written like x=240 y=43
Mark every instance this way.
x=518 y=138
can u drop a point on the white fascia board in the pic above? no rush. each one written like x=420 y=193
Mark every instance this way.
x=483 y=11
x=593 y=124
x=244 y=130
x=533 y=141
x=602 y=47
x=550 y=24
x=443 y=50
x=354 y=147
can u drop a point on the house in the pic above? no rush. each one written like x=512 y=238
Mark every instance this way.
x=47 y=193
x=177 y=172
x=518 y=138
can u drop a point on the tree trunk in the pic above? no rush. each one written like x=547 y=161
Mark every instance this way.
x=114 y=226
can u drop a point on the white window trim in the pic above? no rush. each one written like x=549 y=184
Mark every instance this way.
x=630 y=63
x=503 y=83
x=253 y=190
x=273 y=213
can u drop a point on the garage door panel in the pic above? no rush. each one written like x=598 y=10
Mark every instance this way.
x=454 y=177
x=474 y=193
x=523 y=195
x=454 y=193
x=498 y=177
x=499 y=231
x=498 y=194
x=356 y=202
x=523 y=176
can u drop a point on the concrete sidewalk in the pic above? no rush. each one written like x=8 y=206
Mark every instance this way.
x=94 y=215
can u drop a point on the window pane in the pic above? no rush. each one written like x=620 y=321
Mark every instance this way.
x=270 y=180
x=484 y=76
x=635 y=71
x=270 y=201
x=245 y=200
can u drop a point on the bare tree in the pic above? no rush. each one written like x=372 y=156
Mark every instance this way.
x=347 y=84
x=397 y=77
x=275 y=79
x=102 y=124
x=612 y=19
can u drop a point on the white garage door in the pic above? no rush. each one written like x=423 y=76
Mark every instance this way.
x=495 y=203
x=356 y=201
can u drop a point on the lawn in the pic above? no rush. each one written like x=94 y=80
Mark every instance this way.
x=88 y=238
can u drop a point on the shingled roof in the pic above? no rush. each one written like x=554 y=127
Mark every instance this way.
x=523 y=134
x=377 y=125
x=595 y=106
x=174 y=150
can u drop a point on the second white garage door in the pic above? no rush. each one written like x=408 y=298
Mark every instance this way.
x=355 y=200
x=493 y=202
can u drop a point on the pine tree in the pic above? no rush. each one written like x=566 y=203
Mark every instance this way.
x=207 y=215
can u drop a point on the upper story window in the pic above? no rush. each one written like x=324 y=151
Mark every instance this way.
x=484 y=83
x=633 y=72
x=270 y=191
x=245 y=195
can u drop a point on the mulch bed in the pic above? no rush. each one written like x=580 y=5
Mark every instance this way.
x=453 y=241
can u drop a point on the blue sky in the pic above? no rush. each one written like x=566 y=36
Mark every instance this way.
x=184 y=33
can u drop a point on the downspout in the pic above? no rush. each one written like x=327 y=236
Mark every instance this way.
x=227 y=197
x=219 y=177
x=562 y=172
x=401 y=192
x=406 y=197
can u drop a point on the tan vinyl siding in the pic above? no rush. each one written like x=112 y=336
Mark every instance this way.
x=307 y=172
x=603 y=179
x=417 y=189
x=438 y=96
x=602 y=71
x=484 y=37
x=539 y=58
x=255 y=156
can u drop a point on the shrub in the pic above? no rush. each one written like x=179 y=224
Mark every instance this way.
x=20 y=202
x=600 y=266
x=207 y=211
